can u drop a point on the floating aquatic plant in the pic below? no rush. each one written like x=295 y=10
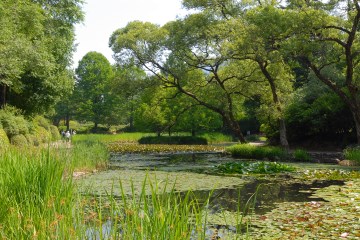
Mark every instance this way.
x=254 y=167
x=149 y=148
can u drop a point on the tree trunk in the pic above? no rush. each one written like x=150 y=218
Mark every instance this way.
x=193 y=132
x=131 y=119
x=283 y=139
x=235 y=128
x=2 y=96
x=356 y=116
x=282 y=128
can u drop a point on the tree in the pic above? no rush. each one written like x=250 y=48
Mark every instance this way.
x=326 y=35
x=159 y=50
x=128 y=85
x=36 y=44
x=249 y=33
x=94 y=73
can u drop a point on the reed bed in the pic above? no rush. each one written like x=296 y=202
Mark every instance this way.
x=39 y=200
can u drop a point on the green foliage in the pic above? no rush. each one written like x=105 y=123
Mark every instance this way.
x=13 y=123
x=55 y=134
x=174 y=140
x=31 y=139
x=331 y=174
x=105 y=138
x=41 y=136
x=42 y=122
x=214 y=137
x=248 y=151
x=352 y=154
x=36 y=43
x=89 y=155
x=301 y=155
x=4 y=140
x=34 y=195
x=254 y=167
x=19 y=140
x=93 y=102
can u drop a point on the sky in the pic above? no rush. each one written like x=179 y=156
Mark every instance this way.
x=103 y=17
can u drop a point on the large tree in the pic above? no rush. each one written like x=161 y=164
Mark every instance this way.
x=93 y=102
x=194 y=70
x=323 y=36
x=36 y=44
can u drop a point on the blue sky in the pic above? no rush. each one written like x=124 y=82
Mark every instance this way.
x=103 y=17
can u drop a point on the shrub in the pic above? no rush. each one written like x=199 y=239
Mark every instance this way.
x=248 y=151
x=55 y=134
x=19 y=140
x=30 y=139
x=175 y=140
x=41 y=135
x=13 y=124
x=42 y=122
x=301 y=155
x=4 y=140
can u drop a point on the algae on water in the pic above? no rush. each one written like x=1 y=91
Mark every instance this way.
x=109 y=182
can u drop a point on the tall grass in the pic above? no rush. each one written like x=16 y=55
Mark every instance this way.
x=352 y=154
x=248 y=151
x=36 y=201
x=301 y=155
x=87 y=155
x=216 y=137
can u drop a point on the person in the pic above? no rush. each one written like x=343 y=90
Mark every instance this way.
x=67 y=136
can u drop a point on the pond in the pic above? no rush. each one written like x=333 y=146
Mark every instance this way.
x=277 y=195
x=194 y=172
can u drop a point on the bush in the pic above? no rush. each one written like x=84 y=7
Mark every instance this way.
x=55 y=134
x=4 y=140
x=30 y=139
x=41 y=135
x=19 y=140
x=42 y=122
x=175 y=140
x=301 y=155
x=13 y=124
x=248 y=151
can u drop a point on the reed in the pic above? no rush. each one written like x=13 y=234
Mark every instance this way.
x=36 y=201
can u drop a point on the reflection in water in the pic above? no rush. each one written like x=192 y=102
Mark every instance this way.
x=281 y=188
x=269 y=193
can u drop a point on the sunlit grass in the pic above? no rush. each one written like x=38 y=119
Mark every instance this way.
x=352 y=154
x=120 y=137
x=248 y=151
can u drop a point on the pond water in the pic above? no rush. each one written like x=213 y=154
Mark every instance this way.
x=193 y=172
